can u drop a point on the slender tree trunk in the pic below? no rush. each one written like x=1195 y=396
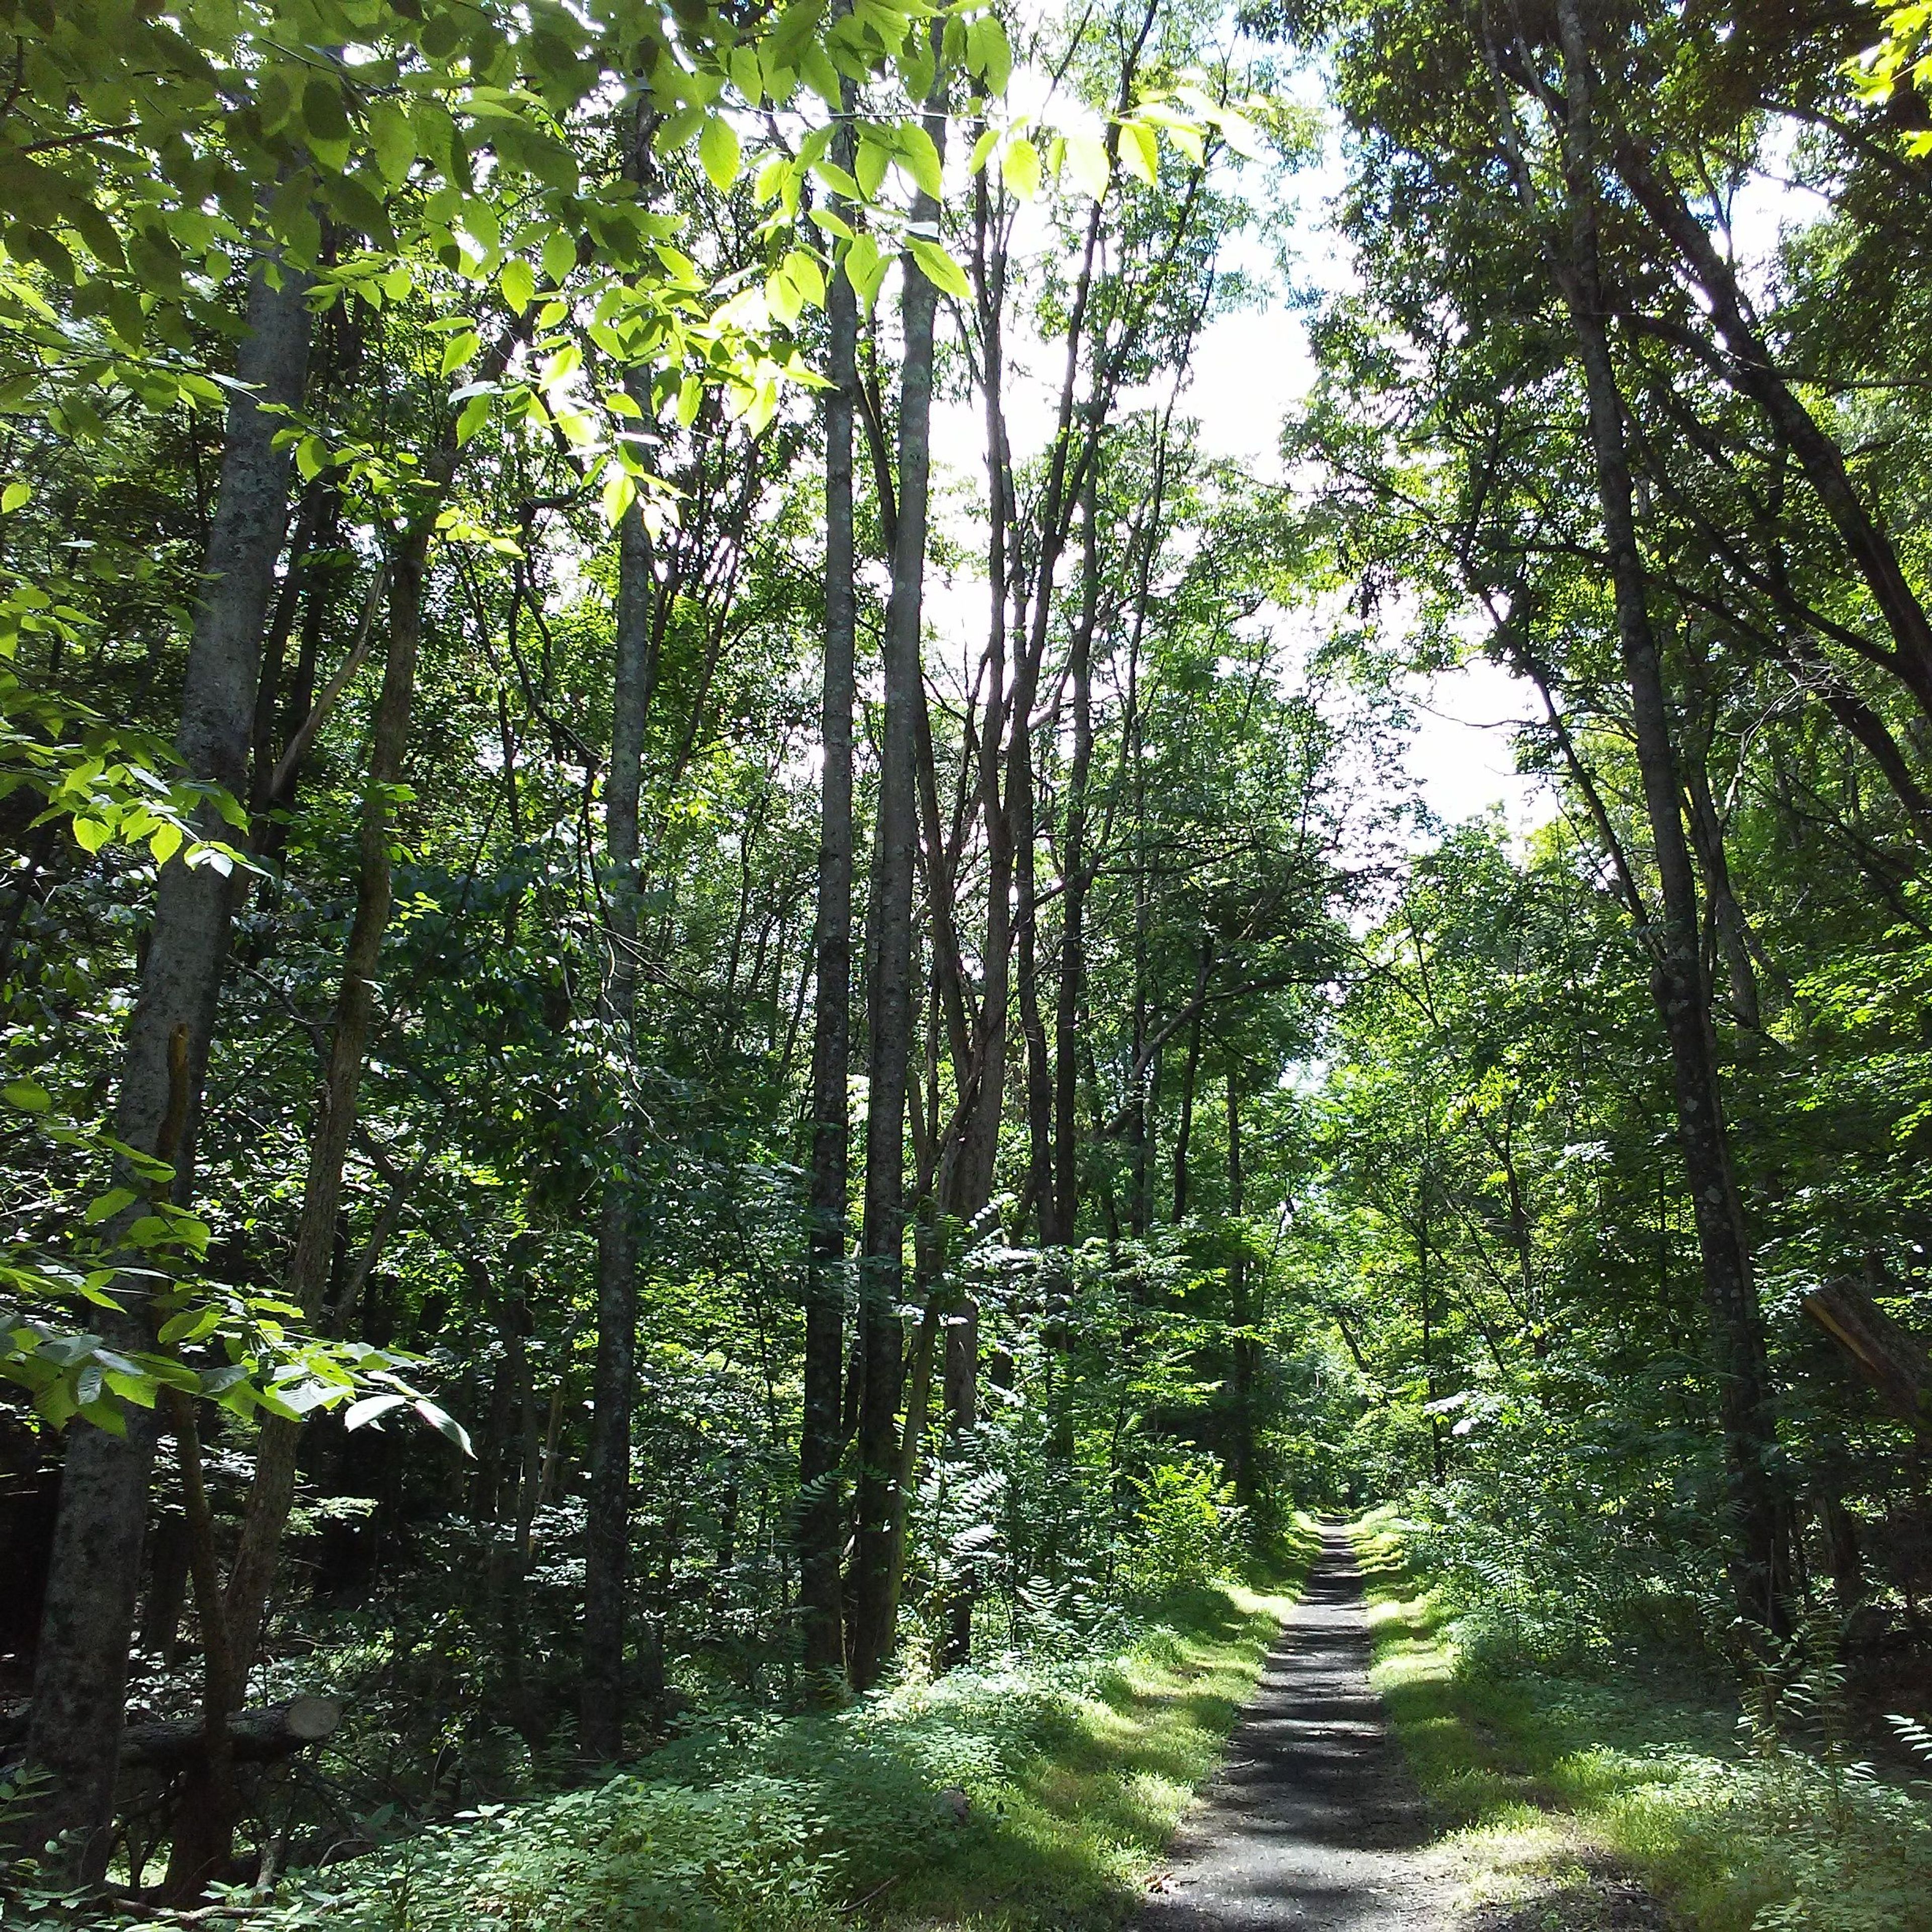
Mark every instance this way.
x=1033 y=1024
x=985 y=1091
x=204 y=1823
x=600 y=1721
x=1760 y=1571
x=1140 y=1196
x=1074 y=884
x=81 y=1674
x=889 y=1002
x=1425 y=1290
x=1246 y=1353
x=272 y=1490
x=1731 y=928
x=821 y=1439
x=962 y=1398
x=1749 y=366
x=1190 y=1073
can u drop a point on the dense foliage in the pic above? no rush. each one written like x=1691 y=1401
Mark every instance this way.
x=721 y=986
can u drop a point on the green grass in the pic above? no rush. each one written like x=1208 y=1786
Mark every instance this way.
x=1072 y=1836
x=1534 y=1776
x=1075 y=1771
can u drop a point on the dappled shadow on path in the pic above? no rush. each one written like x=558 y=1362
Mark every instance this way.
x=1314 y=1821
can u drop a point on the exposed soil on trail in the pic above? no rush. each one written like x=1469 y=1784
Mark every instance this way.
x=1593 y=1898
x=1313 y=1822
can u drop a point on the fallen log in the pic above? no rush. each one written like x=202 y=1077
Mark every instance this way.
x=1889 y=1356
x=259 y=1736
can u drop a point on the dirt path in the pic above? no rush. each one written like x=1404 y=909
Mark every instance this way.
x=1313 y=1823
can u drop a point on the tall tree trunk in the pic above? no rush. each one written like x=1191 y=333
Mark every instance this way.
x=1032 y=1024
x=81 y=1674
x=1059 y=1231
x=984 y=1089
x=821 y=1439
x=1190 y=1073
x=1749 y=366
x=600 y=1720
x=888 y=1001
x=272 y=1490
x=1758 y=1565
x=962 y=1400
x=204 y=1823
x=1245 y=1474
x=1425 y=1291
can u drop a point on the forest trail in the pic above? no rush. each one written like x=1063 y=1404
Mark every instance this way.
x=1313 y=1820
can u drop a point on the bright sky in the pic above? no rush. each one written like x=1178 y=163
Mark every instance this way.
x=1251 y=367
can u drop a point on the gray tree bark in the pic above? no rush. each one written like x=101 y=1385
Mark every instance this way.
x=821 y=1440
x=1759 y=1562
x=888 y=1001
x=607 y=1531
x=81 y=1674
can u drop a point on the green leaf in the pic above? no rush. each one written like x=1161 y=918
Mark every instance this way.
x=619 y=493
x=90 y=834
x=392 y=141
x=869 y=166
x=104 y=1206
x=190 y=1324
x=920 y=159
x=322 y=113
x=1140 y=151
x=1087 y=161
x=821 y=77
x=459 y=349
x=803 y=270
x=1019 y=167
x=864 y=267
x=782 y=297
x=939 y=268
x=718 y=152
x=560 y=255
x=518 y=282
x=988 y=53
x=475 y=413
x=29 y=1096
x=15 y=494
x=135 y=1388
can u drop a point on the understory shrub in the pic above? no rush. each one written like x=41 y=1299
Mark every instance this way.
x=776 y=1824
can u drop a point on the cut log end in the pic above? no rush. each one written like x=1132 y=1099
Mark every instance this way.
x=259 y=1736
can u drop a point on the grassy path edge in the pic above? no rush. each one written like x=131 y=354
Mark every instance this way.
x=1550 y=1788
x=1072 y=1837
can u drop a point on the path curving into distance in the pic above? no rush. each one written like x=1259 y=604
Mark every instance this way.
x=1313 y=1823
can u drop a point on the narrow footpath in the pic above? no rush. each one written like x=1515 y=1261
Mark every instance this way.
x=1313 y=1823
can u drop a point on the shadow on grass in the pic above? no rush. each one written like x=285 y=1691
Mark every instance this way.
x=1557 y=1792
x=1075 y=1777
x=1070 y=1835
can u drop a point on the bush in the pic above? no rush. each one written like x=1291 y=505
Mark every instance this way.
x=1187 y=1530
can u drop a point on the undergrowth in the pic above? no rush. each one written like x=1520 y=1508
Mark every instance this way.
x=1037 y=1792
x=1763 y=1822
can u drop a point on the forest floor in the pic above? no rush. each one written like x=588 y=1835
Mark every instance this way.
x=1626 y=1796
x=1317 y=1821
